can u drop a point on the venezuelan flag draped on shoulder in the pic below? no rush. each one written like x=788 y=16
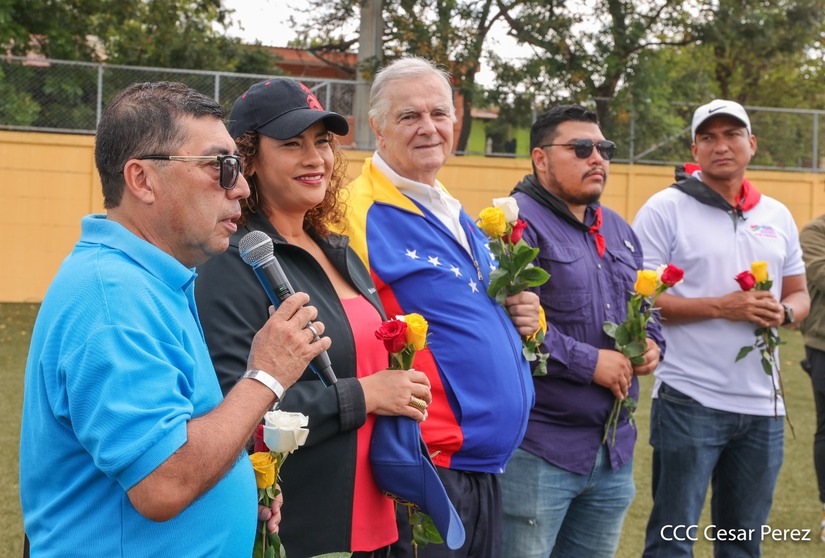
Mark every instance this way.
x=481 y=385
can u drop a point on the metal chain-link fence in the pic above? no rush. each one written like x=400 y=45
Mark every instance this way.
x=787 y=139
x=60 y=96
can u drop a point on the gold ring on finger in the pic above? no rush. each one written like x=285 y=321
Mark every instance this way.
x=417 y=403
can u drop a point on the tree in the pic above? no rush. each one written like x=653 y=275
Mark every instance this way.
x=651 y=63
x=160 y=33
x=448 y=32
x=751 y=44
x=164 y=33
x=764 y=54
x=583 y=54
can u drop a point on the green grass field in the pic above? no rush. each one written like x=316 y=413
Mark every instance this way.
x=795 y=506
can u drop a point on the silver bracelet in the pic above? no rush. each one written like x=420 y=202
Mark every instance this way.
x=267 y=380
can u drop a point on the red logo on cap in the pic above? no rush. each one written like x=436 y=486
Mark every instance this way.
x=312 y=100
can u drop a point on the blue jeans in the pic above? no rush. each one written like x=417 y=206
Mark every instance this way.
x=739 y=455
x=550 y=510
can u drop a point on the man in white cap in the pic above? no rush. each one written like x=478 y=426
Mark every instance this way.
x=714 y=416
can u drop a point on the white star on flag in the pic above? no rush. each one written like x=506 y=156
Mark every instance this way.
x=412 y=255
x=473 y=286
x=434 y=260
x=455 y=270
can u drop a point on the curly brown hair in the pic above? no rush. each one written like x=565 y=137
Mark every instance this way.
x=328 y=214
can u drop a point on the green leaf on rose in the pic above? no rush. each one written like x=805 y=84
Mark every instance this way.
x=524 y=257
x=496 y=249
x=529 y=353
x=424 y=530
x=541 y=368
x=635 y=349
x=521 y=244
x=743 y=352
x=498 y=283
x=622 y=335
x=534 y=276
x=610 y=329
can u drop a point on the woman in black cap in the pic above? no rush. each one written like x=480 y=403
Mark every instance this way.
x=295 y=169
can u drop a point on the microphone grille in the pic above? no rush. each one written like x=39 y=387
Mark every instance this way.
x=256 y=247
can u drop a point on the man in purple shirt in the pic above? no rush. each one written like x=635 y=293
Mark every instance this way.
x=566 y=491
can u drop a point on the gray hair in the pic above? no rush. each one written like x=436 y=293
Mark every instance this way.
x=409 y=67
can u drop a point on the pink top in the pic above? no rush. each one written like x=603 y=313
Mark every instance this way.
x=373 y=514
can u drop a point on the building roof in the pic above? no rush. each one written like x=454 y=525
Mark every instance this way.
x=299 y=63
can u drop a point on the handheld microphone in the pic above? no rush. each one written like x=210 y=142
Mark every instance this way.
x=257 y=250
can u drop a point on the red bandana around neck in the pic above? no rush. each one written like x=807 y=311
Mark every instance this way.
x=748 y=197
x=597 y=236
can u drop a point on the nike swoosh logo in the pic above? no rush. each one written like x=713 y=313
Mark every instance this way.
x=711 y=111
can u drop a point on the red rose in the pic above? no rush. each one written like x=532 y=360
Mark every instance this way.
x=259 y=439
x=746 y=280
x=518 y=230
x=394 y=335
x=672 y=275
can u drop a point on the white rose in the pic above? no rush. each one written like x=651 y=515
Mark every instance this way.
x=510 y=208
x=659 y=271
x=285 y=432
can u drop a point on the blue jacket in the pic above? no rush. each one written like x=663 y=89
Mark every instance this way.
x=481 y=386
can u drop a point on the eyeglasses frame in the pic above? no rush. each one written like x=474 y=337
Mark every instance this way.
x=606 y=148
x=219 y=158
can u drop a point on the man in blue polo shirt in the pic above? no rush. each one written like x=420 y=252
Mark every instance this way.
x=127 y=447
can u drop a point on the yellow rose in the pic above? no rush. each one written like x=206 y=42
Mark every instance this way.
x=492 y=222
x=760 y=271
x=646 y=280
x=416 y=331
x=542 y=324
x=264 y=465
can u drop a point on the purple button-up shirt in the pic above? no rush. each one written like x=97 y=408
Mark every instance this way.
x=567 y=423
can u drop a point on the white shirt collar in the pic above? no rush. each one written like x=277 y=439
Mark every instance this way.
x=435 y=198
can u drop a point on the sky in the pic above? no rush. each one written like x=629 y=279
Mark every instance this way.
x=262 y=20
x=266 y=21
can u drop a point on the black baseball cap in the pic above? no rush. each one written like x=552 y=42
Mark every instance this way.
x=281 y=108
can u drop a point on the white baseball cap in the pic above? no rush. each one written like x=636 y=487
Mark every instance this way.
x=718 y=107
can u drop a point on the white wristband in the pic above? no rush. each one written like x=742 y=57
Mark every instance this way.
x=267 y=380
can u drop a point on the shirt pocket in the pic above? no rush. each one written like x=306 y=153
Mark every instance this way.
x=623 y=271
x=566 y=297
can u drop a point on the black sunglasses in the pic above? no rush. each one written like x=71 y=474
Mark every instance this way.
x=230 y=165
x=584 y=148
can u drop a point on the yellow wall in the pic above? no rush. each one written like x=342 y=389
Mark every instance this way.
x=49 y=182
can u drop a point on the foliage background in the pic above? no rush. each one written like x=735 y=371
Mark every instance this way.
x=655 y=59
x=652 y=61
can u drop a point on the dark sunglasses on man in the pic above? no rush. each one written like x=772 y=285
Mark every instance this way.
x=230 y=165
x=584 y=148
